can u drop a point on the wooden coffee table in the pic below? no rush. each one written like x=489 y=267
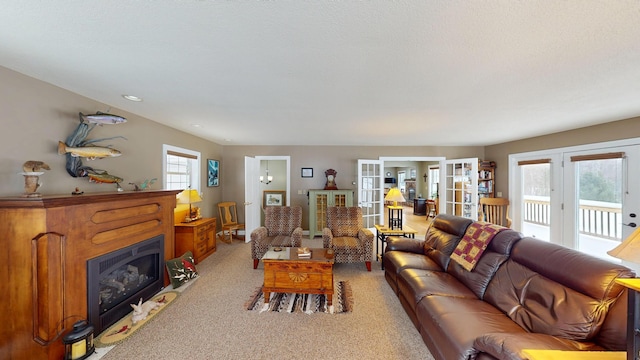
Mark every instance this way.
x=284 y=271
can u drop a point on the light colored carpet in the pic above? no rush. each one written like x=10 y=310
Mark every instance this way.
x=209 y=321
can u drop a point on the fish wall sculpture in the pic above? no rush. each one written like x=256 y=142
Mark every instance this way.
x=101 y=118
x=77 y=147
x=89 y=152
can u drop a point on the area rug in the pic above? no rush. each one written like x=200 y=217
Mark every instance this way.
x=304 y=303
x=119 y=331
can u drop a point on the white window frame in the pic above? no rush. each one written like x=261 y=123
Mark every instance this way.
x=194 y=178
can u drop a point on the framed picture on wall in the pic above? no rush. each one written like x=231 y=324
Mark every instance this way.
x=213 y=172
x=307 y=172
x=274 y=198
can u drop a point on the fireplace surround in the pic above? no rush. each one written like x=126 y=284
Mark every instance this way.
x=122 y=277
x=46 y=244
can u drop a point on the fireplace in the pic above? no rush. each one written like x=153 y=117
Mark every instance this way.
x=122 y=277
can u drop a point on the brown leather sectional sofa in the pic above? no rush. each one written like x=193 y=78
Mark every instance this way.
x=523 y=293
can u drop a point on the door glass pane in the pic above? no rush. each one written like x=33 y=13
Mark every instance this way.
x=536 y=195
x=462 y=187
x=599 y=213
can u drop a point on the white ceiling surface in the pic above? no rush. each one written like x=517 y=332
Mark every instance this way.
x=436 y=72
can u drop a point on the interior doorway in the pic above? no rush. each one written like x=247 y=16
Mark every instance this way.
x=411 y=175
x=279 y=169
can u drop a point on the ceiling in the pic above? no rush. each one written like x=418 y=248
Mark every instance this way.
x=403 y=72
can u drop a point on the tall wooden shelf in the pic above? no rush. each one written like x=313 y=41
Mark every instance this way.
x=486 y=179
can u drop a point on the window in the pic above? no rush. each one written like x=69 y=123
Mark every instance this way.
x=181 y=168
x=434 y=179
x=401 y=177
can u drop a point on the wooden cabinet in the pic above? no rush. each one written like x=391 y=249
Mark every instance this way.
x=46 y=243
x=486 y=179
x=420 y=206
x=319 y=201
x=198 y=236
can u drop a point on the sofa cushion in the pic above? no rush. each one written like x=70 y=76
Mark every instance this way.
x=396 y=261
x=449 y=325
x=584 y=273
x=541 y=305
x=414 y=284
x=497 y=253
x=443 y=236
x=508 y=346
x=550 y=289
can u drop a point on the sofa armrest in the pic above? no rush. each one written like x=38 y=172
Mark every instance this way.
x=296 y=237
x=259 y=233
x=365 y=236
x=327 y=238
x=507 y=346
x=395 y=243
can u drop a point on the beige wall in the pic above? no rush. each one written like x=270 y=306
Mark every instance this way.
x=617 y=130
x=36 y=115
x=343 y=159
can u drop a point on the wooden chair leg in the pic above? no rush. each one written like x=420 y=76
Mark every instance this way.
x=255 y=263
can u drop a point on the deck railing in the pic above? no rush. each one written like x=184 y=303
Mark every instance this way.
x=595 y=218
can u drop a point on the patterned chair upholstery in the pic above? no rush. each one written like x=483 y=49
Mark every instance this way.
x=345 y=235
x=281 y=228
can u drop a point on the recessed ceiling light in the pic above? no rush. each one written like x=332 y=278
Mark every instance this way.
x=132 y=98
x=196 y=125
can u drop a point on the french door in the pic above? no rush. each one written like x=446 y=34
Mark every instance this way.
x=581 y=197
x=601 y=203
x=460 y=193
x=370 y=191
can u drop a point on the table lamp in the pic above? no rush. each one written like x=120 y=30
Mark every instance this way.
x=394 y=195
x=629 y=250
x=189 y=196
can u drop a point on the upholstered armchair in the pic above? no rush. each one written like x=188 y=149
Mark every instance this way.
x=345 y=235
x=281 y=228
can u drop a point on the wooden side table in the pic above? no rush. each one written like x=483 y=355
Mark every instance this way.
x=198 y=236
x=395 y=217
x=383 y=232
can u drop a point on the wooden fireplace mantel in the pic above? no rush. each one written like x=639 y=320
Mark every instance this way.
x=45 y=244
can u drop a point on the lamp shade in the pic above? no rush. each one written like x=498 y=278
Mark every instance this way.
x=188 y=196
x=629 y=249
x=394 y=195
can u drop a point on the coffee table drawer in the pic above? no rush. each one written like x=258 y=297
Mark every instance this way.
x=297 y=266
x=298 y=280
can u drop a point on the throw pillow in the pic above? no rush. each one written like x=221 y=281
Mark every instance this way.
x=182 y=269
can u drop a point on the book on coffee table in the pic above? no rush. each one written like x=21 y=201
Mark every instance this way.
x=304 y=252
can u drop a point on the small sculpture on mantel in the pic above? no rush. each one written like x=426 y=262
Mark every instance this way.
x=31 y=172
x=331 y=180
